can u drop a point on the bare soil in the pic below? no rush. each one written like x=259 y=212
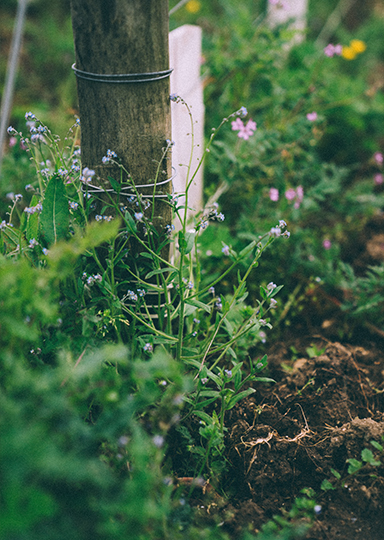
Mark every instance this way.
x=288 y=436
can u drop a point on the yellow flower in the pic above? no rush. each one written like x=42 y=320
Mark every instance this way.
x=348 y=53
x=193 y=6
x=357 y=45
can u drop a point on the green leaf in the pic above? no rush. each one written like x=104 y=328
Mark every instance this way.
x=198 y=304
x=326 y=485
x=115 y=184
x=210 y=393
x=131 y=224
x=54 y=219
x=354 y=465
x=336 y=474
x=368 y=457
x=204 y=404
x=264 y=379
x=275 y=291
x=190 y=241
x=377 y=445
x=234 y=399
x=158 y=271
x=247 y=249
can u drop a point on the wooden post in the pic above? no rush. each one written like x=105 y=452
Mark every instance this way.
x=123 y=37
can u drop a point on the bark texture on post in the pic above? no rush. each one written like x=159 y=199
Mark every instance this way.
x=133 y=120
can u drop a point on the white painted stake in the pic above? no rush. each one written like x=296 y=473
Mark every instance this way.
x=284 y=10
x=185 y=59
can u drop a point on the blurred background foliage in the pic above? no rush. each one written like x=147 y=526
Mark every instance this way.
x=245 y=64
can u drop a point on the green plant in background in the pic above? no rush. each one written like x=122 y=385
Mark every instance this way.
x=364 y=466
x=311 y=156
x=294 y=523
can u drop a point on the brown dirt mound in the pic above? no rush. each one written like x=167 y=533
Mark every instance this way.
x=288 y=436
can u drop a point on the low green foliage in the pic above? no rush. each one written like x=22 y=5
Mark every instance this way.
x=365 y=466
x=123 y=346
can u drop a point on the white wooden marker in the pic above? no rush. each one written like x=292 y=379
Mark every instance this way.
x=185 y=58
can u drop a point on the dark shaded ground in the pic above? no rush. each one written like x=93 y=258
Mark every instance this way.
x=288 y=436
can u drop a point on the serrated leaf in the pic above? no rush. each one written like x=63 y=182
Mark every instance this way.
x=54 y=218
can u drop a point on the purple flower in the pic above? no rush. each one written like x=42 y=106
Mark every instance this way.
x=296 y=195
x=312 y=116
x=378 y=157
x=329 y=50
x=274 y=194
x=327 y=244
x=237 y=124
x=225 y=250
x=245 y=131
x=290 y=194
x=379 y=179
x=338 y=49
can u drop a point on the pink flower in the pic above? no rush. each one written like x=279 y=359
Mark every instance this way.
x=330 y=50
x=327 y=244
x=379 y=179
x=312 y=116
x=296 y=195
x=338 y=49
x=274 y=194
x=12 y=141
x=245 y=131
x=237 y=124
x=378 y=157
x=290 y=194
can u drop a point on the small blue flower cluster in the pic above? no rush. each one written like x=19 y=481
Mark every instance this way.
x=109 y=157
x=105 y=218
x=92 y=279
x=277 y=231
x=33 y=209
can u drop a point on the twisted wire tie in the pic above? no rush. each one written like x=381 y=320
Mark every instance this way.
x=122 y=78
